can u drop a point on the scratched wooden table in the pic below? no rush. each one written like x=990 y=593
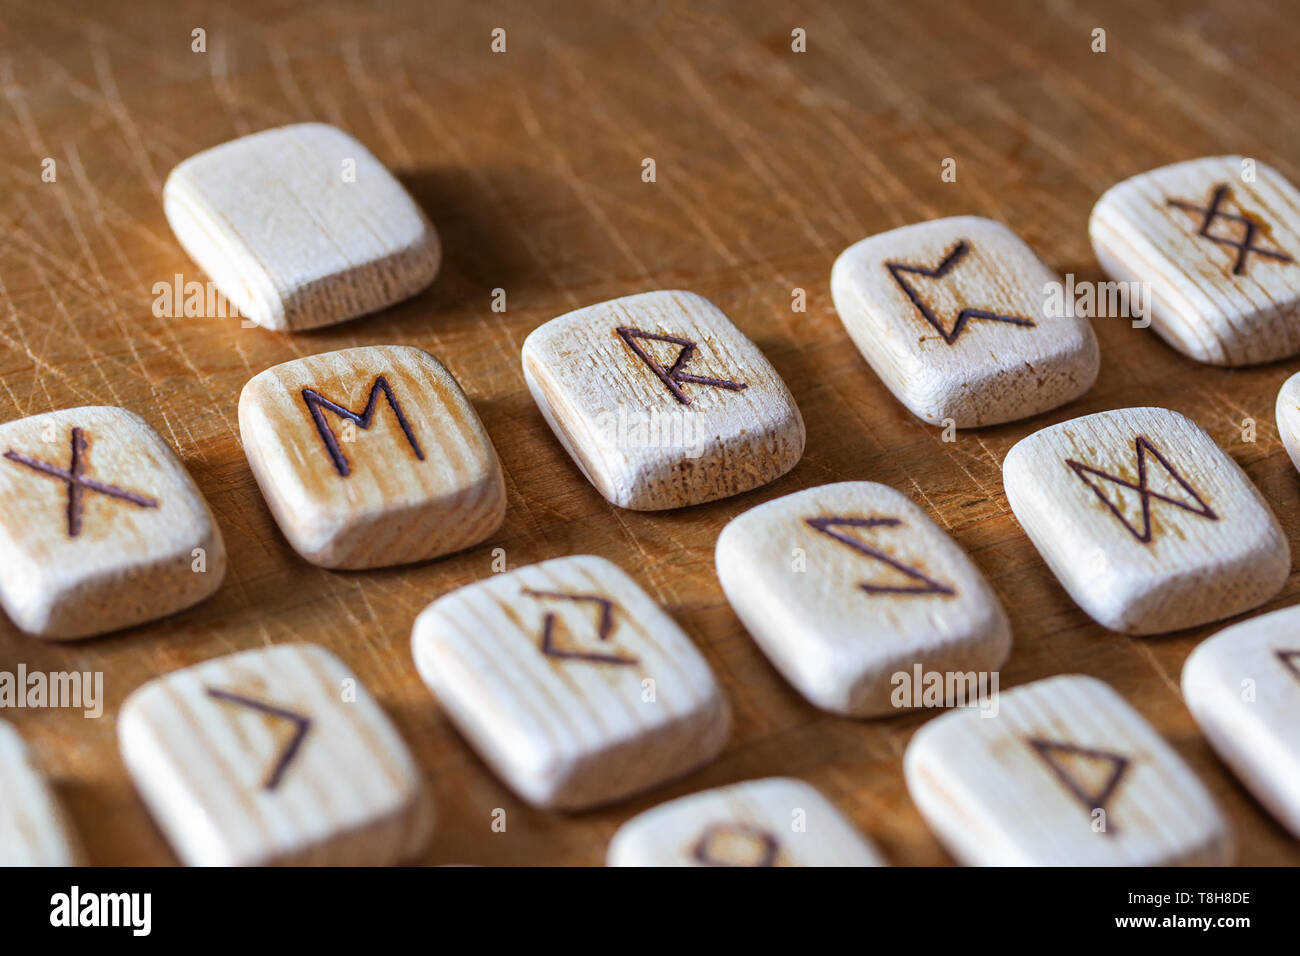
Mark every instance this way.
x=768 y=163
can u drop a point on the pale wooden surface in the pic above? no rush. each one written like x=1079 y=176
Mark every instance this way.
x=276 y=755
x=369 y=494
x=1243 y=686
x=769 y=822
x=301 y=226
x=823 y=600
x=137 y=544
x=1233 y=301
x=1207 y=548
x=571 y=682
x=529 y=163
x=1065 y=774
x=662 y=401
x=954 y=317
x=34 y=829
x=1287 y=416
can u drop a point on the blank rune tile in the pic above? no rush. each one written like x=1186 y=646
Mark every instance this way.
x=772 y=822
x=1221 y=255
x=661 y=401
x=101 y=526
x=1065 y=773
x=34 y=831
x=1243 y=687
x=1145 y=521
x=301 y=226
x=370 y=457
x=570 y=682
x=845 y=586
x=953 y=315
x=274 y=756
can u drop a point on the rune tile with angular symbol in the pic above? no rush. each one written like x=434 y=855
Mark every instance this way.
x=570 y=682
x=301 y=226
x=371 y=456
x=954 y=317
x=771 y=822
x=661 y=401
x=1064 y=773
x=845 y=586
x=34 y=830
x=1243 y=687
x=274 y=756
x=101 y=526
x=1218 y=241
x=1146 y=522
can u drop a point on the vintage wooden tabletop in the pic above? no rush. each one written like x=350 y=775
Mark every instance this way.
x=768 y=163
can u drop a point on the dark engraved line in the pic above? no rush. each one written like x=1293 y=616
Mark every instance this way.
x=604 y=629
x=1244 y=246
x=606 y=624
x=76 y=467
x=673 y=377
x=73 y=476
x=317 y=403
x=301 y=723
x=1119 y=766
x=1144 y=447
x=949 y=262
x=1290 y=661
x=702 y=851
x=928 y=584
x=551 y=650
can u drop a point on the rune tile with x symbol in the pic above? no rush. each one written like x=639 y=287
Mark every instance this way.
x=74 y=477
x=1214 y=212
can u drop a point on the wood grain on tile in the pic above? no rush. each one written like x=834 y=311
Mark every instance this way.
x=1243 y=687
x=661 y=401
x=847 y=586
x=34 y=830
x=1286 y=412
x=101 y=526
x=1066 y=773
x=570 y=682
x=1146 y=522
x=1218 y=242
x=954 y=316
x=274 y=756
x=370 y=457
x=301 y=226
x=772 y=822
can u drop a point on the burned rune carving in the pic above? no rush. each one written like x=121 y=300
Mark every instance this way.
x=290 y=750
x=1250 y=228
x=924 y=584
x=604 y=629
x=74 y=476
x=965 y=316
x=1053 y=752
x=1291 y=661
x=318 y=404
x=1087 y=474
x=675 y=376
